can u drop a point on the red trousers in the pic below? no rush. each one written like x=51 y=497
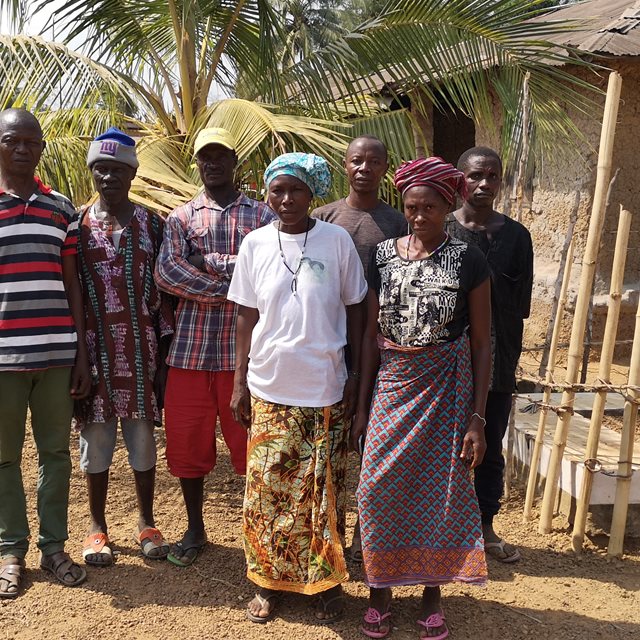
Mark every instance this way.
x=194 y=401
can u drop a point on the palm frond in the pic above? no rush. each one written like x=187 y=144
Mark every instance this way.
x=460 y=54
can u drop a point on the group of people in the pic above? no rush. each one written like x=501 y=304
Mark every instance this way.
x=303 y=334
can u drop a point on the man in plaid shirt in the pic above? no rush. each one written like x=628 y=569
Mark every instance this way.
x=196 y=261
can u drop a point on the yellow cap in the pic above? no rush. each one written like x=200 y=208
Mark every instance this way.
x=213 y=135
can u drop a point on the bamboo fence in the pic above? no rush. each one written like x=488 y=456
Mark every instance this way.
x=582 y=302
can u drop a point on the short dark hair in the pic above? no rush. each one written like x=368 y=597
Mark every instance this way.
x=371 y=138
x=478 y=152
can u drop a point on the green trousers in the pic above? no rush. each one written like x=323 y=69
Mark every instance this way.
x=46 y=393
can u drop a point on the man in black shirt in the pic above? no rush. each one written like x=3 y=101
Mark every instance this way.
x=508 y=248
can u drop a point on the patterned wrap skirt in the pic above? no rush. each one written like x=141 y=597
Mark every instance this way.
x=295 y=497
x=419 y=515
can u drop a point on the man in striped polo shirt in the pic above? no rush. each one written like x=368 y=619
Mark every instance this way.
x=43 y=365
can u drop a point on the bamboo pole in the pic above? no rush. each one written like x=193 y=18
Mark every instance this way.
x=625 y=470
x=546 y=396
x=544 y=358
x=604 y=373
x=587 y=274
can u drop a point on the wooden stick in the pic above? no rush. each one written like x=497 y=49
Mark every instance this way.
x=604 y=373
x=582 y=302
x=524 y=153
x=553 y=317
x=553 y=352
x=625 y=467
x=508 y=471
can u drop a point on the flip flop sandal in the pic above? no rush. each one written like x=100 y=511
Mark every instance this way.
x=183 y=548
x=11 y=572
x=373 y=616
x=262 y=601
x=60 y=564
x=497 y=551
x=150 y=539
x=434 y=621
x=97 y=544
x=324 y=605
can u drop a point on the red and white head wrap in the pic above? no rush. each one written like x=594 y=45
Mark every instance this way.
x=430 y=172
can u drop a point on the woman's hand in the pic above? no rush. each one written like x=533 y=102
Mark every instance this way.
x=241 y=405
x=474 y=444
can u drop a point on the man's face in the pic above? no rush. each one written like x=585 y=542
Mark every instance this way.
x=112 y=179
x=216 y=164
x=483 y=177
x=365 y=164
x=21 y=146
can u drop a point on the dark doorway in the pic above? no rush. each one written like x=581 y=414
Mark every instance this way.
x=453 y=133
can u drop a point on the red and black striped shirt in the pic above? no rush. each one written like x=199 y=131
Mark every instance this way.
x=36 y=327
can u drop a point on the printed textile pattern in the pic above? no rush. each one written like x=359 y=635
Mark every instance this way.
x=295 y=497
x=418 y=297
x=419 y=514
x=125 y=315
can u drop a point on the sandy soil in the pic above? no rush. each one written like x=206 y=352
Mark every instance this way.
x=550 y=594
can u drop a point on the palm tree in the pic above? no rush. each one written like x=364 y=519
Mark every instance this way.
x=308 y=26
x=163 y=67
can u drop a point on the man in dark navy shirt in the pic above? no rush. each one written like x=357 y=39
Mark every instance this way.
x=508 y=248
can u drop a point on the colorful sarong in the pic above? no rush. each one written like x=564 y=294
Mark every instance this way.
x=296 y=471
x=419 y=515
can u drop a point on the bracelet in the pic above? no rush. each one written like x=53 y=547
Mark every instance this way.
x=477 y=415
x=354 y=374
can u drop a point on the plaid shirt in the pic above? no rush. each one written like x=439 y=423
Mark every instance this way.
x=205 y=320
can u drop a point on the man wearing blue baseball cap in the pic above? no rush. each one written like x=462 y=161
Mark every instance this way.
x=129 y=324
x=196 y=262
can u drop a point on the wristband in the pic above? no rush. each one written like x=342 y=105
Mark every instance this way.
x=477 y=415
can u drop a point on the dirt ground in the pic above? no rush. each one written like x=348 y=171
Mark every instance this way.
x=550 y=593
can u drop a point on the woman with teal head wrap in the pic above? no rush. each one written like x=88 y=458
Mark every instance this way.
x=307 y=167
x=298 y=284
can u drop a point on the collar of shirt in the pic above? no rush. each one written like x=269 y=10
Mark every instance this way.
x=202 y=201
x=40 y=187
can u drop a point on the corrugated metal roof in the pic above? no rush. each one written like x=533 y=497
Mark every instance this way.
x=610 y=27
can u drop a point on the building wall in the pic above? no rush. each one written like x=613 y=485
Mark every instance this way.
x=559 y=180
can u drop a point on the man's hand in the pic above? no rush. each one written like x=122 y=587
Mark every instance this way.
x=358 y=429
x=160 y=384
x=241 y=405
x=80 y=377
x=350 y=397
x=196 y=260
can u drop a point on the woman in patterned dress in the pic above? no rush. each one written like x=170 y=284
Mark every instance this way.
x=298 y=284
x=426 y=362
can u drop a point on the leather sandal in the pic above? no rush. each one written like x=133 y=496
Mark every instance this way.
x=11 y=572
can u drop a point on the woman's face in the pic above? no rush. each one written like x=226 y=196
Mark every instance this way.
x=290 y=199
x=425 y=210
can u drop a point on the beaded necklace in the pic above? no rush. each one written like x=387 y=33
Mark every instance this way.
x=294 y=281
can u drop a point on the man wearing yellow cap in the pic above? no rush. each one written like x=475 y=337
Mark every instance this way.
x=196 y=262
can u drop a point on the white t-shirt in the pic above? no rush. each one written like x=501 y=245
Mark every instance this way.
x=296 y=355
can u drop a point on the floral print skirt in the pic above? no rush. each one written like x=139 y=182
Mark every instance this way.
x=294 y=505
